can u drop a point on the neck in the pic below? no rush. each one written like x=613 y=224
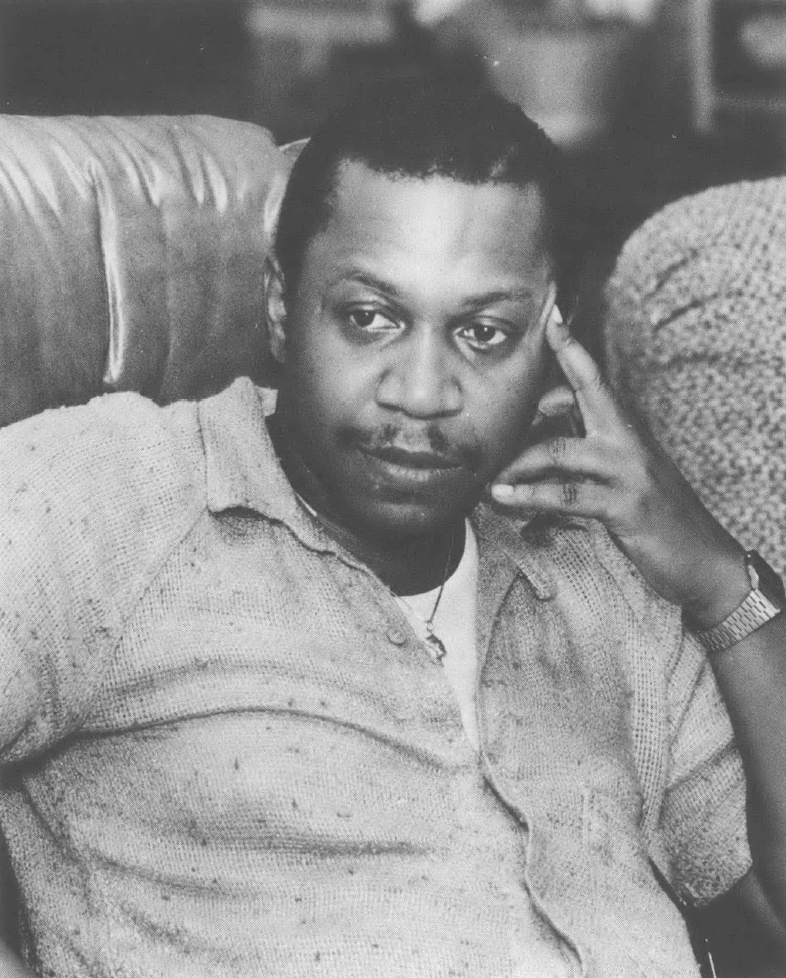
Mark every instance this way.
x=407 y=564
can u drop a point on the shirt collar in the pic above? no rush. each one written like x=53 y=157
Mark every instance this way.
x=243 y=471
x=242 y=468
x=521 y=543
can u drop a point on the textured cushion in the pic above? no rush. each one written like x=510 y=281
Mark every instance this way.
x=132 y=256
x=696 y=343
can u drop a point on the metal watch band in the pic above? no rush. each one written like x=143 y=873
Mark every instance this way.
x=766 y=599
x=756 y=610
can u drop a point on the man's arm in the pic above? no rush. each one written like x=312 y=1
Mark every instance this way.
x=618 y=476
x=751 y=676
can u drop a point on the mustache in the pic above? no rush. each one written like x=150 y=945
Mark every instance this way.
x=426 y=440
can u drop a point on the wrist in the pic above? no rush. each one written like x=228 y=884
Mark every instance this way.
x=725 y=585
x=764 y=600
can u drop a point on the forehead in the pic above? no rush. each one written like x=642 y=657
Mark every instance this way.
x=415 y=227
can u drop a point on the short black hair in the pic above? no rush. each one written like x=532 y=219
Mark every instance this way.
x=418 y=129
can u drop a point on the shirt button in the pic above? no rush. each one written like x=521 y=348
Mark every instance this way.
x=396 y=636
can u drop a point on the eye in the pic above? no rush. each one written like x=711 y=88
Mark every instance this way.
x=483 y=336
x=370 y=320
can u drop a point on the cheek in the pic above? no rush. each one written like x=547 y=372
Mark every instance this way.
x=503 y=425
x=511 y=427
x=329 y=384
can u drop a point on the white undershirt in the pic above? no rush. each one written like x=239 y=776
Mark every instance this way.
x=454 y=625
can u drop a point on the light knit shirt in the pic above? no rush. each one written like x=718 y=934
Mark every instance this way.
x=226 y=754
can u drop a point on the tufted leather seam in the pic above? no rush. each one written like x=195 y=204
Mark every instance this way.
x=113 y=346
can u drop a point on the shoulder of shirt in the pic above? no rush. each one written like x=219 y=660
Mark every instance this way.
x=106 y=445
x=93 y=500
x=119 y=480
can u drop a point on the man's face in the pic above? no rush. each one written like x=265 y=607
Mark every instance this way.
x=414 y=347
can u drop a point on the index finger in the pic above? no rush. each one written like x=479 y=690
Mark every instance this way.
x=596 y=403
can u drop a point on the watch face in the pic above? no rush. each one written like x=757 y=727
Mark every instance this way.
x=770 y=584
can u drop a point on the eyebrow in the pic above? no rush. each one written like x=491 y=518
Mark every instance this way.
x=366 y=278
x=501 y=295
x=471 y=304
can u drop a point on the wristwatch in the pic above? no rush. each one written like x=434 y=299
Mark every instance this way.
x=765 y=600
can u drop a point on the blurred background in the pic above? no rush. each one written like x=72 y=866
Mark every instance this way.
x=650 y=98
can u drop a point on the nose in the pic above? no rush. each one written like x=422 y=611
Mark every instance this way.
x=420 y=376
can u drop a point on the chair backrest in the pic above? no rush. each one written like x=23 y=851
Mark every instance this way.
x=695 y=340
x=132 y=256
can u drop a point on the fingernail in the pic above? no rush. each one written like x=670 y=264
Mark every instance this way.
x=502 y=492
x=561 y=326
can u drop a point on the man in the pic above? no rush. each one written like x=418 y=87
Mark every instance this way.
x=357 y=684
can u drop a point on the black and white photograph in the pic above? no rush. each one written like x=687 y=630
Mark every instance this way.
x=392 y=489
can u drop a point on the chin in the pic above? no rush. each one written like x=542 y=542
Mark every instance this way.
x=408 y=519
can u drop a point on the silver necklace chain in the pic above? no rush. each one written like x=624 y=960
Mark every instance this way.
x=433 y=641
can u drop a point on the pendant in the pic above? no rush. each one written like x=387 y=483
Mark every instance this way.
x=437 y=648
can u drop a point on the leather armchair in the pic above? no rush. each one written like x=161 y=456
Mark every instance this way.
x=131 y=256
x=695 y=345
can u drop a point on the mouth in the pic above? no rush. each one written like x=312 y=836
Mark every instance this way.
x=408 y=474
x=404 y=458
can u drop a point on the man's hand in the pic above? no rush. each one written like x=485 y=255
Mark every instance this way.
x=618 y=475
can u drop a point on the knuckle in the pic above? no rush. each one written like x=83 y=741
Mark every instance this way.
x=557 y=448
x=570 y=494
x=598 y=382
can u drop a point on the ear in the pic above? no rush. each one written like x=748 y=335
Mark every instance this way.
x=275 y=308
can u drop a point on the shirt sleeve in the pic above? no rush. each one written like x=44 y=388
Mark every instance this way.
x=50 y=629
x=703 y=817
x=19 y=694
x=92 y=500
